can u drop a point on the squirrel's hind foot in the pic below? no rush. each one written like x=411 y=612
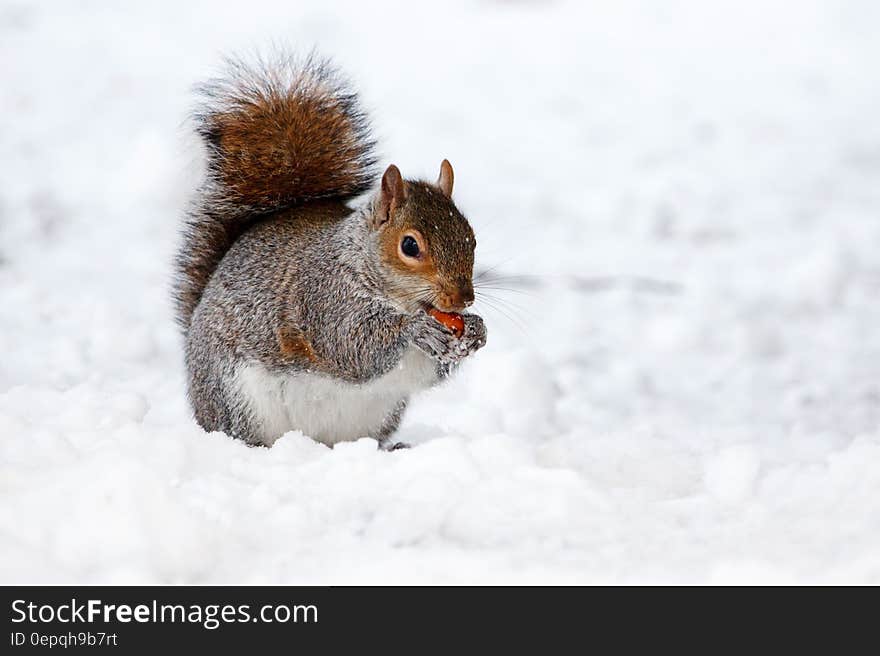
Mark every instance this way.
x=390 y=445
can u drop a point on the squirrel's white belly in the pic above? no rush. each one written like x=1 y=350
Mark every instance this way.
x=327 y=409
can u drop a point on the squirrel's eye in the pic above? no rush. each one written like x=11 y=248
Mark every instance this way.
x=409 y=247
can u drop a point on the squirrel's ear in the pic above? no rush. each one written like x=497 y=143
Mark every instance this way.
x=444 y=182
x=391 y=195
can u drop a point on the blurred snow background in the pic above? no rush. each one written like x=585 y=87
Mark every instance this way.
x=684 y=385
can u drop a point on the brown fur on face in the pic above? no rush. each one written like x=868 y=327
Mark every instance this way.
x=442 y=276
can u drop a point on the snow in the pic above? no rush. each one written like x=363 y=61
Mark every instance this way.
x=682 y=386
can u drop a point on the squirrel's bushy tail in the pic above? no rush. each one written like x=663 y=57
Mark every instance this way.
x=278 y=133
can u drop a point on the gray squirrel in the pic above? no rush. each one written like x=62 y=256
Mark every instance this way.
x=299 y=311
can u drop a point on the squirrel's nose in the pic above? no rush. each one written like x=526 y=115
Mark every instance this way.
x=457 y=297
x=467 y=295
x=465 y=292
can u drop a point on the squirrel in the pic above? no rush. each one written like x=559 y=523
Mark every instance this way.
x=298 y=310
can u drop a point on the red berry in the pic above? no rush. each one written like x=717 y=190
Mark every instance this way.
x=453 y=321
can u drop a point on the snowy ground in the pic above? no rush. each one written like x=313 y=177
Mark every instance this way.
x=684 y=387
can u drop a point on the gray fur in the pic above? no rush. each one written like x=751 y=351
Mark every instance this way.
x=322 y=277
x=285 y=291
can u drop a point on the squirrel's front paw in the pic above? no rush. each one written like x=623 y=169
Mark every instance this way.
x=474 y=336
x=441 y=343
x=434 y=338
